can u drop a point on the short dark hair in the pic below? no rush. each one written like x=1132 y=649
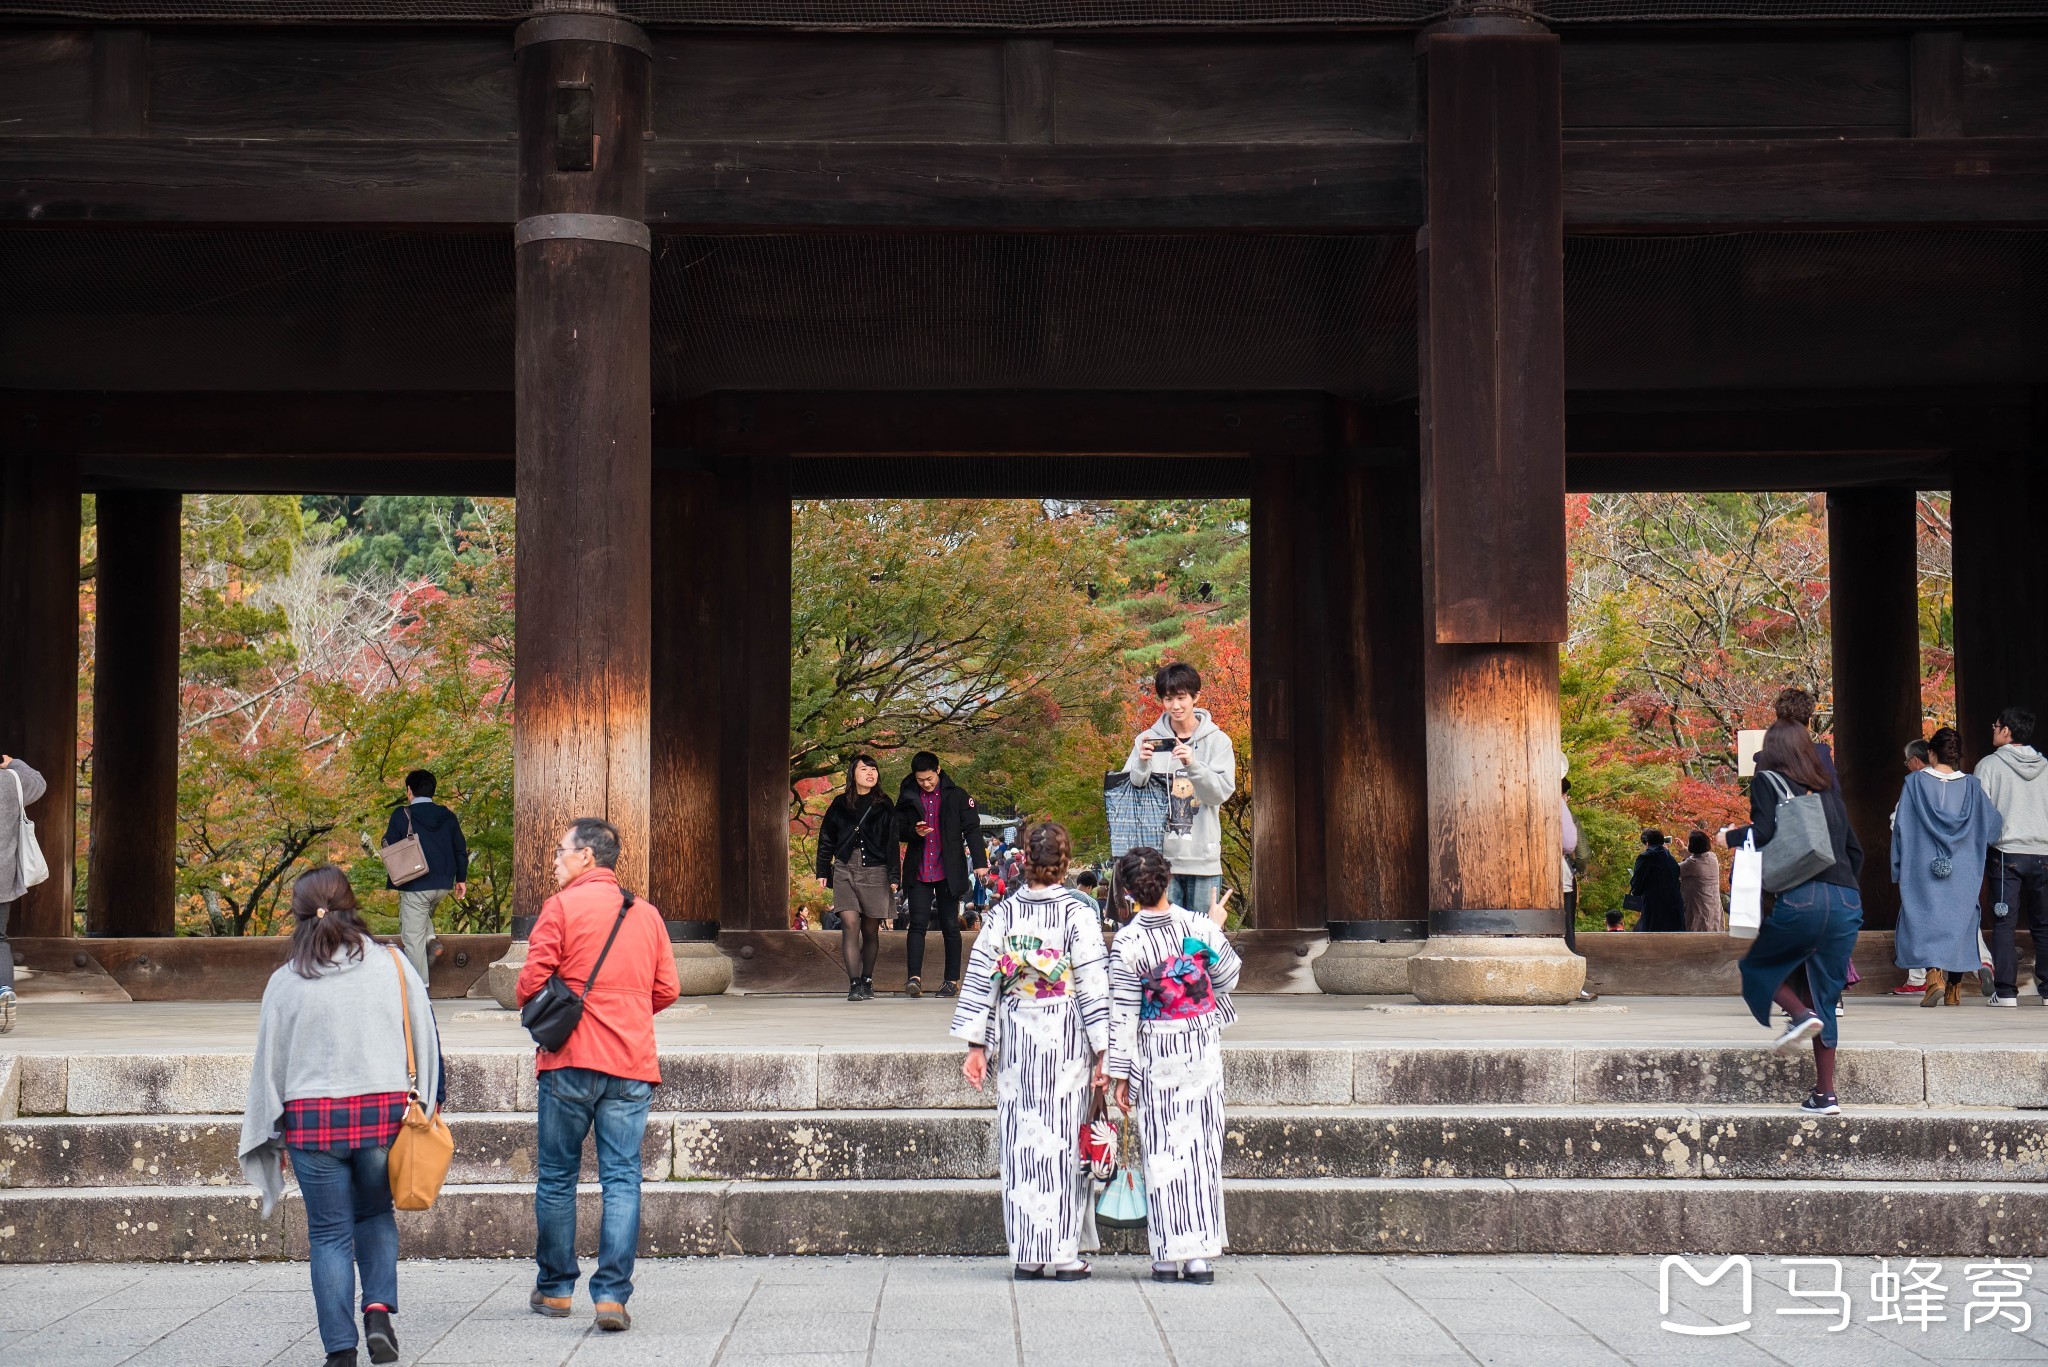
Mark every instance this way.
x=2020 y=722
x=1653 y=837
x=1087 y=879
x=923 y=762
x=420 y=783
x=1177 y=678
x=1697 y=843
x=1794 y=705
x=1613 y=918
x=598 y=836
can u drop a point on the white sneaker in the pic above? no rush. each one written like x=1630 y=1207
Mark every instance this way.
x=2003 y=1001
x=1798 y=1032
x=6 y=1008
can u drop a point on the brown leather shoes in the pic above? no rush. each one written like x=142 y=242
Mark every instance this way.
x=612 y=1316
x=554 y=1307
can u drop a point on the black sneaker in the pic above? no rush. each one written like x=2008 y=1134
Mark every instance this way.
x=1821 y=1103
x=913 y=988
x=345 y=1358
x=948 y=988
x=867 y=989
x=379 y=1337
x=853 y=990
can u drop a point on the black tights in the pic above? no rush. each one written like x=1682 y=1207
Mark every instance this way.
x=860 y=941
x=1796 y=1006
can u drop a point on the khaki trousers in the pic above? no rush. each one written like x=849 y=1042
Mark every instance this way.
x=416 y=923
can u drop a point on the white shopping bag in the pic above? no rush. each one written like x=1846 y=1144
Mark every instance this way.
x=1746 y=891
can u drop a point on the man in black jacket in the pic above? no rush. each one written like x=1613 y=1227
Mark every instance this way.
x=447 y=864
x=942 y=827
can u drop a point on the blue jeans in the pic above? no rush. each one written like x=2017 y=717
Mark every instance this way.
x=1812 y=926
x=1196 y=890
x=572 y=1101
x=350 y=1228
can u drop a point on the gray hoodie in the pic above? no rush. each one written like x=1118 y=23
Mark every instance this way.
x=1194 y=825
x=2016 y=779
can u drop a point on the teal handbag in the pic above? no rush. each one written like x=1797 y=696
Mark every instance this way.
x=1122 y=1203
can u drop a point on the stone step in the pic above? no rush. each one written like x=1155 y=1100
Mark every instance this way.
x=1875 y=1144
x=813 y=1078
x=1298 y=1216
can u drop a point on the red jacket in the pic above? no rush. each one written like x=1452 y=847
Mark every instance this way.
x=616 y=1035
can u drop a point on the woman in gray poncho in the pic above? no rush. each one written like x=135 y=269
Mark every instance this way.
x=1944 y=823
x=329 y=1087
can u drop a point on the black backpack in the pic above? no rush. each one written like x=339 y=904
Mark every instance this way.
x=552 y=1014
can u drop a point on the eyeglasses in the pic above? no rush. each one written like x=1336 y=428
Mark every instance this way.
x=564 y=851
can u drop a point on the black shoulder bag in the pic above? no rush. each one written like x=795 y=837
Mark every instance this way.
x=552 y=1014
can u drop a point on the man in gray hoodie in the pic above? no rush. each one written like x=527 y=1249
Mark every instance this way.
x=22 y=786
x=2015 y=777
x=1188 y=752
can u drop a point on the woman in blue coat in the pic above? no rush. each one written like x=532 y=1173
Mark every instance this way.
x=1944 y=824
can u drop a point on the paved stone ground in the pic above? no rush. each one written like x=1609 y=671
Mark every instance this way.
x=766 y=1022
x=1262 y=1312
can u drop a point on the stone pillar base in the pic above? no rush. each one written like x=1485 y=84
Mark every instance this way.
x=1369 y=968
x=701 y=969
x=1495 y=970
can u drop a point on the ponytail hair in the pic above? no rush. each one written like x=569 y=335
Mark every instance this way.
x=1947 y=746
x=324 y=921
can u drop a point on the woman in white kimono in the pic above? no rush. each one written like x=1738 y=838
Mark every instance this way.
x=1036 y=995
x=1170 y=976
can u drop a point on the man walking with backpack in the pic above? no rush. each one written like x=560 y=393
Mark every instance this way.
x=611 y=950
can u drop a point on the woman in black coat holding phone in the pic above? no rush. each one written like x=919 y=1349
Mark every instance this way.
x=859 y=860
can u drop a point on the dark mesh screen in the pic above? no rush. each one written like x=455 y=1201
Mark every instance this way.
x=1022 y=15
x=156 y=309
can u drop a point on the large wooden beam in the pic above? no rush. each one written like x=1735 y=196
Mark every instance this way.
x=1275 y=681
x=130 y=882
x=688 y=790
x=753 y=572
x=580 y=734
x=1874 y=612
x=1492 y=430
x=1609 y=186
x=39 y=523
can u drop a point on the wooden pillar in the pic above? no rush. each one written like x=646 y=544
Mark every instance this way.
x=754 y=499
x=2001 y=572
x=1874 y=607
x=1372 y=756
x=580 y=736
x=130 y=886
x=1276 y=900
x=39 y=688
x=685 y=865
x=1491 y=292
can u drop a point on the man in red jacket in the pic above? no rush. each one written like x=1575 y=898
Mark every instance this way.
x=605 y=1075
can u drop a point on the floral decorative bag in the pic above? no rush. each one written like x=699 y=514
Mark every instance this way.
x=1179 y=989
x=1122 y=1203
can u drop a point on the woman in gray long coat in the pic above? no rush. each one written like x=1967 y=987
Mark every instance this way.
x=1943 y=826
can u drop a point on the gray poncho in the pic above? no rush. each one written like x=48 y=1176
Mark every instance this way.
x=1943 y=820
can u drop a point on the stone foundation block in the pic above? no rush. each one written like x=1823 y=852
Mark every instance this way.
x=1277 y=1075
x=10 y=1086
x=503 y=976
x=1490 y=970
x=1463 y=1075
x=850 y=1079
x=56 y=1151
x=492 y=1080
x=864 y=1218
x=1985 y=1075
x=1737 y=1075
x=157 y=1084
x=1369 y=1216
x=138 y=1225
x=738 y=1080
x=702 y=970
x=837 y=1146
x=44 y=1080
x=497 y=1222
x=1365 y=967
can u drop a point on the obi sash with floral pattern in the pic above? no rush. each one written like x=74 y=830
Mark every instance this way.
x=1028 y=967
x=1179 y=988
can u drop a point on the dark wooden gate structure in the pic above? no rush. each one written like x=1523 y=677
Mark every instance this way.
x=1403 y=271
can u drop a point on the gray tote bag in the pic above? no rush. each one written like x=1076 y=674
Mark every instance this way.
x=1800 y=848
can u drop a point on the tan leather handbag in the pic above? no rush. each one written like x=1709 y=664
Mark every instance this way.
x=420 y=1155
x=404 y=860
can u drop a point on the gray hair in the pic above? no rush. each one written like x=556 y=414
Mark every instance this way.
x=598 y=836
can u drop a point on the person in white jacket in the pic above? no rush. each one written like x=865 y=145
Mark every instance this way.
x=1188 y=752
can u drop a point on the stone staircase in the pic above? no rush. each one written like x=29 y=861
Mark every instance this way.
x=1332 y=1148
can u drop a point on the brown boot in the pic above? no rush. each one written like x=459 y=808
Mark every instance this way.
x=612 y=1317
x=554 y=1307
x=1954 y=995
x=1932 y=997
